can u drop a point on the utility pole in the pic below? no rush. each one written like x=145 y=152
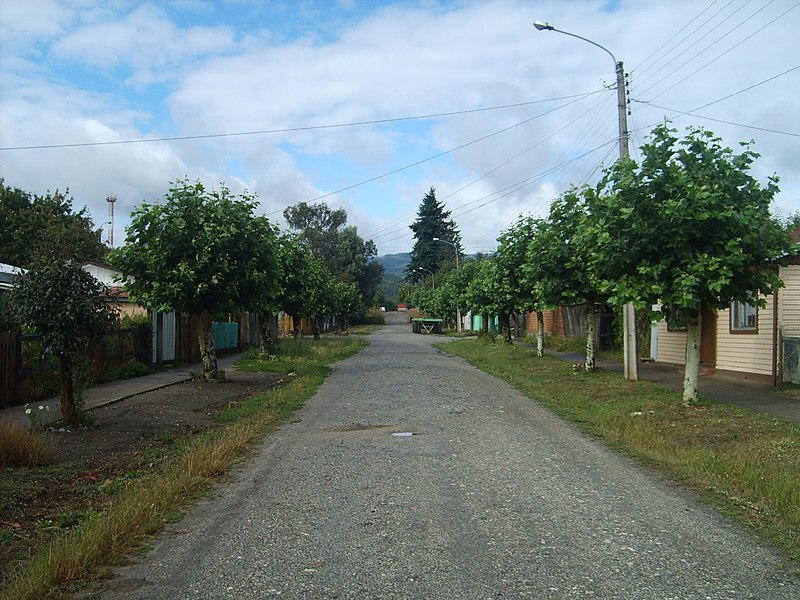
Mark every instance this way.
x=629 y=340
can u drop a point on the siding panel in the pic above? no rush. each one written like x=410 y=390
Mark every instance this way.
x=671 y=345
x=746 y=352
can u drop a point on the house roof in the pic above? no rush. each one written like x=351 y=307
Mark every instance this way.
x=8 y=273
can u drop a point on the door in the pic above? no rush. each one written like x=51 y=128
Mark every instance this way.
x=708 y=338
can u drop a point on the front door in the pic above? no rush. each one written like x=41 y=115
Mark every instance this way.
x=708 y=338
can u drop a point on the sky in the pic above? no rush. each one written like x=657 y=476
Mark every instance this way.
x=366 y=105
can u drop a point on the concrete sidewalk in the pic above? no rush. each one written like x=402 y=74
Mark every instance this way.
x=49 y=411
x=753 y=396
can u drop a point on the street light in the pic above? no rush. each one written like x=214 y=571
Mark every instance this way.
x=433 y=276
x=458 y=279
x=630 y=365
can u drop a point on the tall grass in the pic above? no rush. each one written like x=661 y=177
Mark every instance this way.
x=747 y=464
x=146 y=503
x=20 y=448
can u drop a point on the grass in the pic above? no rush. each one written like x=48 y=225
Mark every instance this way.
x=20 y=448
x=140 y=506
x=747 y=464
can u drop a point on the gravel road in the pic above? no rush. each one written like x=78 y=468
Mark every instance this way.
x=492 y=497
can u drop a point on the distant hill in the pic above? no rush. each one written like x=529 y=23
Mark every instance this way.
x=395 y=264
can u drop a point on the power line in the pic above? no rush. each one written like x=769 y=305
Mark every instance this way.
x=293 y=129
x=444 y=153
x=697 y=41
x=713 y=60
x=693 y=112
x=388 y=230
x=676 y=34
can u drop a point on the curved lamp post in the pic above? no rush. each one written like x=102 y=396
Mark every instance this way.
x=433 y=276
x=631 y=367
x=458 y=305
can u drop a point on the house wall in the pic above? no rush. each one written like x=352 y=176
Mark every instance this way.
x=671 y=345
x=553 y=322
x=746 y=353
x=789 y=300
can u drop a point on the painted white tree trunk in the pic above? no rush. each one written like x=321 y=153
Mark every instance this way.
x=591 y=321
x=691 y=372
x=539 y=333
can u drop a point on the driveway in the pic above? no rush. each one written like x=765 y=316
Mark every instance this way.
x=491 y=497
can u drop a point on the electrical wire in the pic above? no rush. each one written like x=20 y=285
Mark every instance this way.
x=693 y=73
x=292 y=129
x=700 y=39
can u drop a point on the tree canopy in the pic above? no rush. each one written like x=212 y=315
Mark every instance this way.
x=33 y=224
x=200 y=251
x=346 y=255
x=67 y=307
x=433 y=221
x=689 y=227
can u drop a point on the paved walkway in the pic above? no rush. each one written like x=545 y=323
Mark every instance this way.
x=113 y=391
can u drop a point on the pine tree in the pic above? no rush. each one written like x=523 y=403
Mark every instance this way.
x=432 y=222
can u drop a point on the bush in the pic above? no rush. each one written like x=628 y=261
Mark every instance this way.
x=133 y=369
x=137 y=320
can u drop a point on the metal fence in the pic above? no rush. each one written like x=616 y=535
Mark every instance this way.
x=790 y=354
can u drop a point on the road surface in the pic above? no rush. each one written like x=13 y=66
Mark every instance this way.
x=491 y=497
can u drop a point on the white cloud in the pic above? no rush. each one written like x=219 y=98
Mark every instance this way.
x=85 y=72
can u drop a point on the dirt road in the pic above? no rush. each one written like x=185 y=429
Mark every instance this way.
x=484 y=495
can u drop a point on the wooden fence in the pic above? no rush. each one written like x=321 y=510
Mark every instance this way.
x=9 y=361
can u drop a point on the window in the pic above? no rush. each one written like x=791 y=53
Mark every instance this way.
x=744 y=317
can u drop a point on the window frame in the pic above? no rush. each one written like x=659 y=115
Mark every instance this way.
x=750 y=310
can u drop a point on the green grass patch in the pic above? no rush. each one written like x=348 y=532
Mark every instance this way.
x=746 y=463
x=142 y=502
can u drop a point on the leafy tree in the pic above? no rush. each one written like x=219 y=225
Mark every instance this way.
x=432 y=222
x=345 y=254
x=482 y=290
x=690 y=227
x=317 y=226
x=201 y=252
x=266 y=283
x=528 y=249
x=558 y=269
x=32 y=224
x=302 y=281
x=67 y=307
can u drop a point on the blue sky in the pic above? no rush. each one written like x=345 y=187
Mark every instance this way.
x=528 y=113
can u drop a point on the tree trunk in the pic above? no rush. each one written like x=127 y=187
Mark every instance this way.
x=265 y=333
x=343 y=323
x=69 y=409
x=296 y=323
x=505 y=326
x=273 y=330
x=315 y=327
x=539 y=333
x=691 y=370
x=208 y=355
x=485 y=324
x=591 y=325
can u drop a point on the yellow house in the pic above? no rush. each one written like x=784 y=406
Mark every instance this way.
x=748 y=342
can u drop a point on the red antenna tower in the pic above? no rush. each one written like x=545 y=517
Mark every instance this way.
x=111 y=201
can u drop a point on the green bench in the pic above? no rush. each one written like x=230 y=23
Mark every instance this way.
x=420 y=325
